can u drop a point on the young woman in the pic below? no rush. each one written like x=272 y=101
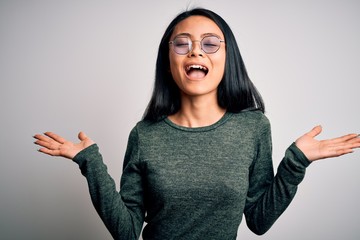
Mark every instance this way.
x=201 y=157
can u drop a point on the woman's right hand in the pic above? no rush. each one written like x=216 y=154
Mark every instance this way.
x=54 y=145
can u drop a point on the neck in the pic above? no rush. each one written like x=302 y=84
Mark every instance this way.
x=198 y=112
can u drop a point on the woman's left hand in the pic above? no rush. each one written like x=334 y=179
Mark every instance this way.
x=316 y=150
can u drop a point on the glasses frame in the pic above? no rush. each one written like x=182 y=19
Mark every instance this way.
x=190 y=48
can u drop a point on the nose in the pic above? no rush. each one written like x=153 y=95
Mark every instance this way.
x=195 y=49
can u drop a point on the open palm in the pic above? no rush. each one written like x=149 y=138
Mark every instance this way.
x=55 y=145
x=315 y=149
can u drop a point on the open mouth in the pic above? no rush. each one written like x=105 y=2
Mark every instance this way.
x=196 y=71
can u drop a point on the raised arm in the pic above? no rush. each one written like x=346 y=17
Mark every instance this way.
x=268 y=197
x=122 y=213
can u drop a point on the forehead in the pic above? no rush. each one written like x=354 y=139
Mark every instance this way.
x=197 y=26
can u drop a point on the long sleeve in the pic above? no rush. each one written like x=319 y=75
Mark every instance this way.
x=122 y=213
x=269 y=196
x=195 y=183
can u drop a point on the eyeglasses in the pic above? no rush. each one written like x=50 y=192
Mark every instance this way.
x=183 y=44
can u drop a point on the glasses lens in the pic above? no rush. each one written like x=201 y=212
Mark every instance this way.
x=182 y=45
x=210 y=44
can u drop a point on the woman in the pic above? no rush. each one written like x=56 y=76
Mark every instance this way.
x=201 y=157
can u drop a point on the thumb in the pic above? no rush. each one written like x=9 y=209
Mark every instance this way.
x=315 y=131
x=82 y=136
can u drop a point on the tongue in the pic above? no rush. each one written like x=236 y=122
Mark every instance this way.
x=196 y=74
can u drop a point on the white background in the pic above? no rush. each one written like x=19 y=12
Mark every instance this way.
x=67 y=66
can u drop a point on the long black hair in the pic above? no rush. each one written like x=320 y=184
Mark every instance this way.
x=236 y=92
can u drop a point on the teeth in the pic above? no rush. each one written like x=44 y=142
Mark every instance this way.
x=196 y=66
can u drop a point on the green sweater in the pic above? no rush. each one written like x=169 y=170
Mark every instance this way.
x=194 y=183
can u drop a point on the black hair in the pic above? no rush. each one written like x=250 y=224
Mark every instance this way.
x=236 y=92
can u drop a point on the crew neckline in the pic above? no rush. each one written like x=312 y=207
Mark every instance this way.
x=220 y=122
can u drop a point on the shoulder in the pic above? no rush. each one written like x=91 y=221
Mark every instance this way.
x=145 y=128
x=253 y=117
x=253 y=122
x=146 y=125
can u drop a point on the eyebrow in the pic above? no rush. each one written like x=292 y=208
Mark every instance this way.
x=202 y=35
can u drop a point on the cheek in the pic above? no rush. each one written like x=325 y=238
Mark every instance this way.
x=173 y=71
x=174 y=67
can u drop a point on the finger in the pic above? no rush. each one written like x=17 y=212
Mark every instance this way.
x=346 y=138
x=346 y=148
x=50 y=152
x=48 y=145
x=356 y=138
x=82 y=136
x=55 y=137
x=40 y=142
x=355 y=145
x=315 y=131
x=344 y=151
x=355 y=141
x=42 y=137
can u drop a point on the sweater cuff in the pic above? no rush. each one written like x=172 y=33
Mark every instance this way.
x=301 y=159
x=86 y=154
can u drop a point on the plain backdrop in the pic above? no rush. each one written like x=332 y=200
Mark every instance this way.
x=67 y=66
